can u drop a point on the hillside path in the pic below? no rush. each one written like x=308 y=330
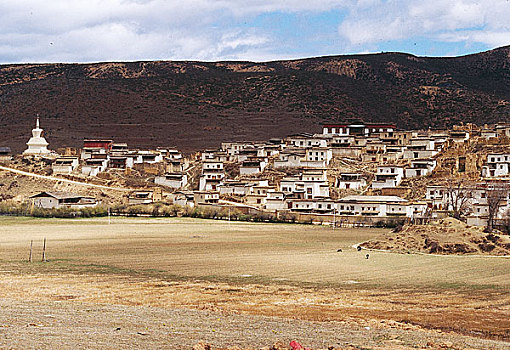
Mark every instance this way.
x=52 y=178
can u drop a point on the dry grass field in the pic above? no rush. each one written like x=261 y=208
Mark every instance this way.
x=261 y=270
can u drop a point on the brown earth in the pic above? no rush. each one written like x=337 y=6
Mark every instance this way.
x=195 y=105
x=18 y=188
x=171 y=283
x=446 y=236
x=101 y=311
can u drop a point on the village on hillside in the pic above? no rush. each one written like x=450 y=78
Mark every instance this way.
x=353 y=173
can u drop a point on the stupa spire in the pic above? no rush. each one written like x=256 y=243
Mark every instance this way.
x=37 y=144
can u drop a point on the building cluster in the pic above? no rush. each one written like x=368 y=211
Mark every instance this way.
x=98 y=156
x=350 y=169
x=312 y=166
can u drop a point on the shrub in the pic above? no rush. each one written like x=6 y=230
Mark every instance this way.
x=134 y=210
x=394 y=224
x=170 y=210
x=288 y=217
x=26 y=209
x=262 y=217
x=12 y=208
x=187 y=211
x=245 y=217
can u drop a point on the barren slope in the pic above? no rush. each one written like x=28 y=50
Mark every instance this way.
x=197 y=104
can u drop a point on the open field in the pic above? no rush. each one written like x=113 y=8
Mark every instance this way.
x=217 y=249
x=262 y=270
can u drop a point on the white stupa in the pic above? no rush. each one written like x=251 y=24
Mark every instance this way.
x=37 y=144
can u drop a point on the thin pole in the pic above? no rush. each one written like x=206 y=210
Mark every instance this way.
x=30 y=256
x=44 y=250
x=109 y=218
x=334 y=217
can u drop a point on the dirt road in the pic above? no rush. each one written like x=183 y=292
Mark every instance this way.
x=53 y=178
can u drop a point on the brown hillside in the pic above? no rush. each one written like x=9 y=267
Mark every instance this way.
x=197 y=104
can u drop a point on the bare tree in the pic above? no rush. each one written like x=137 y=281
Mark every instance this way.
x=506 y=222
x=496 y=195
x=458 y=197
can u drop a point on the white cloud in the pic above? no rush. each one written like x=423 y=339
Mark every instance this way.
x=93 y=30
x=96 y=30
x=491 y=38
x=455 y=20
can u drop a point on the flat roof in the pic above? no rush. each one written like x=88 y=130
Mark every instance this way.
x=372 y=199
x=357 y=124
x=96 y=140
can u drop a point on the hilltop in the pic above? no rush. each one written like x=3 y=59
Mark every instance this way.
x=196 y=105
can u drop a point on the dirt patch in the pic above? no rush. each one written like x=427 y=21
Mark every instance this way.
x=98 y=311
x=470 y=312
x=71 y=325
x=446 y=236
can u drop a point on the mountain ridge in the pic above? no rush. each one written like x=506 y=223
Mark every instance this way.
x=194 y=105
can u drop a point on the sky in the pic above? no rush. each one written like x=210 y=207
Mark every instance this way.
x=36 y=31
